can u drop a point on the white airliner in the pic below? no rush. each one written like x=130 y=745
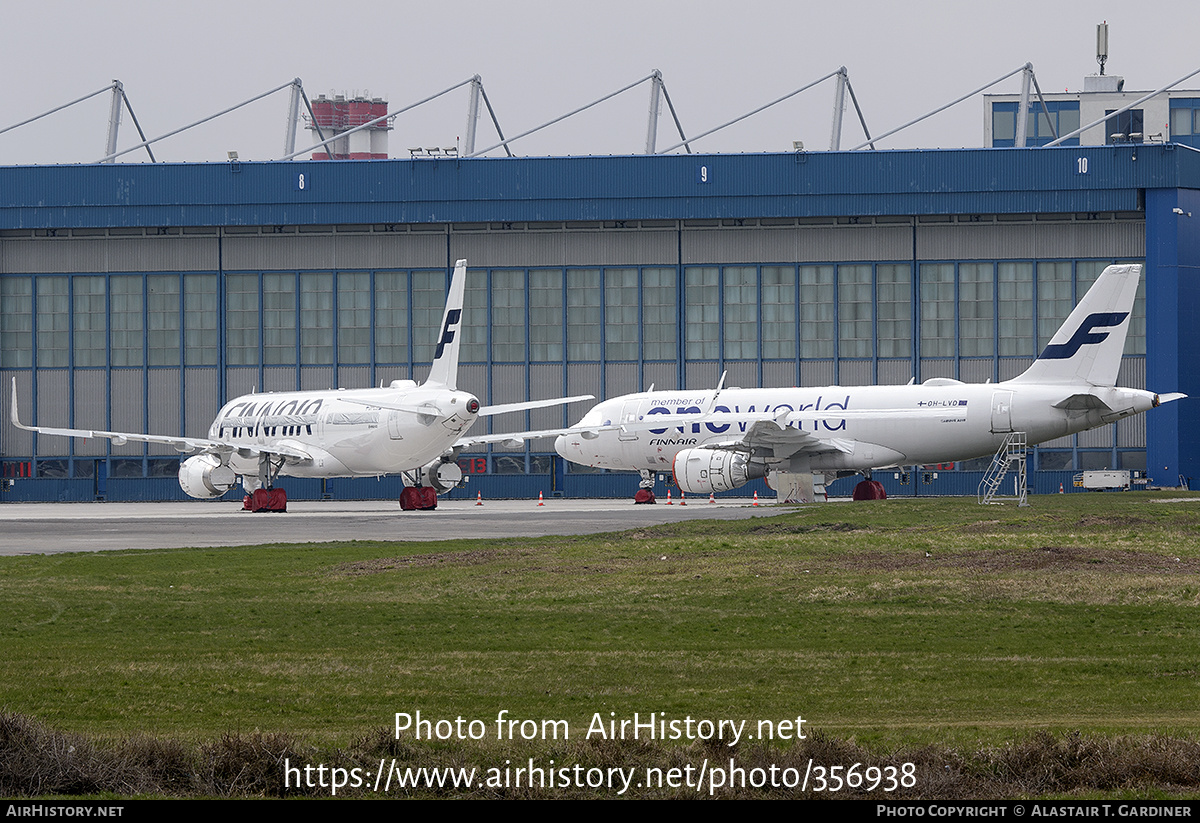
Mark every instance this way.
x=415 y=430
x=732 y=436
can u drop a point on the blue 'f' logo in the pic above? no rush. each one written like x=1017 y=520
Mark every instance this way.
x=452 y=318
x=1084 y=335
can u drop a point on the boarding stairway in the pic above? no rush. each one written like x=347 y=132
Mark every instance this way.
x=1011 y=454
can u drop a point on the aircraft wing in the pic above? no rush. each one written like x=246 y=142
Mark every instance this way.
x=184 y=445
x=517 y=438
x=484 y=411
x=781 y=432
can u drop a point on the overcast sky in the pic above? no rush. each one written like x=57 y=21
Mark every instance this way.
x=180 y=62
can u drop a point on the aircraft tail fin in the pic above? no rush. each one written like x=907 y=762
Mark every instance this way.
x=444 y=371
x=1087 y=348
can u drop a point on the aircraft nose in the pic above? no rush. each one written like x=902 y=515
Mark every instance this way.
x=560 y=446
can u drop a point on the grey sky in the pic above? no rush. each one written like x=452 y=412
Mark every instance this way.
x=719 y=59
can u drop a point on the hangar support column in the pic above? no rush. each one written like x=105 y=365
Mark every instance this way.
x=1173 y=317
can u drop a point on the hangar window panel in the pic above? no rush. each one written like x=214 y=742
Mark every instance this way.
x=474 y=328
x=1086 y=272
x=125 y=318
x=1055 y=299
x=1095 y=460
x=546 y=315
x=778 y=312
x=354 y=317
x=241 y=319
x=428 y=305
x=584 y=315
x=1135 y=343
x=508 y=316
x=893 y=294
x=620 y=314
x=89 y=320
x=976 y=324
x=741 y=313
x=162 y=320
x=856 y=311
x=53 y=321
x=316 y=318
x=1015 y=308
x=1132 y=460
x=279 y=319
x=508 y=464
x=201 y=321
x=1055 y=461
x=659 y=307
x=702 y=313
x=16 y=322
x=818 y=310
x=937 y=310
x=391 y=317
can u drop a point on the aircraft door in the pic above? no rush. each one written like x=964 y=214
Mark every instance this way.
x=629 y=414
x=394 y=417
x=1002 y=412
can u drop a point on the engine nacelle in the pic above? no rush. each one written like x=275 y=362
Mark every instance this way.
x=204 y=477
x=442 y=476
x=705 y=471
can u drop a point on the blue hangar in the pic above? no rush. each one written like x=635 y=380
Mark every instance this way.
x=139 y=297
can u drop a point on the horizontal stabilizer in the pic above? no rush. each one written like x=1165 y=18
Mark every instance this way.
x=505 y=408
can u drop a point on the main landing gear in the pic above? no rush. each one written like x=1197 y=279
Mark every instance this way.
x=645 y=492
x=418 y=498
x=264 y=497
x=868 y=489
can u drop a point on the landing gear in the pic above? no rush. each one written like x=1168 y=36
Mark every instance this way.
x=868 y=489
x=261 y=494
x=265 y=500
x=645 y=492
x=418 y=498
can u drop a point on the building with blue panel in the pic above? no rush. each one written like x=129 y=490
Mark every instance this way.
x=142 y=297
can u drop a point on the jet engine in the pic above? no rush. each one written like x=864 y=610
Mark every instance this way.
x=204 y=476
x=704 y=471
x=442 y=475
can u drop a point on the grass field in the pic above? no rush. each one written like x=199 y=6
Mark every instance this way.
x=891 y=626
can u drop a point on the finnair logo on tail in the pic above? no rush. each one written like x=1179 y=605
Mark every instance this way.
x=452 y=318
x=1085 y=335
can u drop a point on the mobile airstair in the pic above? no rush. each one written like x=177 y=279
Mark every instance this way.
x=1010 y=456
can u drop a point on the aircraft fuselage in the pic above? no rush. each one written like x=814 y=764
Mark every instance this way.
x=882 y=425
x=345 y=439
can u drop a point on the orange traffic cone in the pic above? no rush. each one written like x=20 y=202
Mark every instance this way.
x=755 y=499
x=540 y=501
x=1060 y=489
x=711 y=499
x=682 y=498
x=479 y=498
x=669 y=503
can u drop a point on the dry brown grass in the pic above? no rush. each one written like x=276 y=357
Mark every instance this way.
x=38 y=761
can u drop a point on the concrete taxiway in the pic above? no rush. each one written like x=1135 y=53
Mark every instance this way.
x=48 y=528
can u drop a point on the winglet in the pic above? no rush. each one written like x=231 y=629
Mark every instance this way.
x=444 y=371
x=13 y=414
